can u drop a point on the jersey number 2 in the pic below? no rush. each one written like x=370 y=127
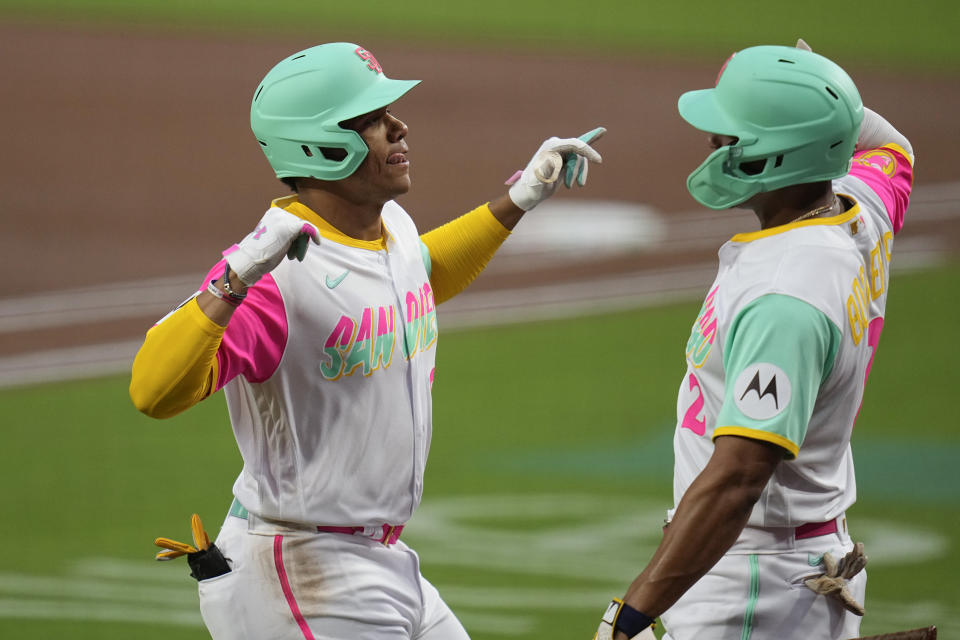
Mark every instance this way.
x=690 y=419
x=699 y=426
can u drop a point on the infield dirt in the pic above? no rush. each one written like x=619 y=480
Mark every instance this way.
x=130 y=156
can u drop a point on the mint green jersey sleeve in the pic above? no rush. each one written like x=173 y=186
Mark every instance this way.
x=777 y=353
x=425 y=254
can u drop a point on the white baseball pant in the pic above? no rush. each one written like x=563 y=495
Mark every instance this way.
x=291 y=583
x=756 y=592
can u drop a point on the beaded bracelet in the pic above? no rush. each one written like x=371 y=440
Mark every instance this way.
x=226 y=285
x=212 y=288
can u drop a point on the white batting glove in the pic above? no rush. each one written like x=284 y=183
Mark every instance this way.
x=539 y=180
x=278 y=234
x=609 y=623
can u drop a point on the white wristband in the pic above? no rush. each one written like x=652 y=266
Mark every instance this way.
x=212 y=288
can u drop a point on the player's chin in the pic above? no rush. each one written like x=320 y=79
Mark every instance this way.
x=402 y=183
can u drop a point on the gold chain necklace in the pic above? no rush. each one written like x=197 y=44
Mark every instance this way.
x=815 y=212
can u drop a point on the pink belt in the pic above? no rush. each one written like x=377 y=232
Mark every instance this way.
x=814 y=529
x=389 y=535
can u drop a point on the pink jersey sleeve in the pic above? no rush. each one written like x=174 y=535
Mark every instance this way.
x=256 y=336
x=889 y=173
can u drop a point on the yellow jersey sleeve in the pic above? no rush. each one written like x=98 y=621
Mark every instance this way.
x=461 y=249
x=177 y=365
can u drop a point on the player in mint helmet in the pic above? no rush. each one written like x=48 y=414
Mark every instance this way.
x=297 y=109
x=757 y=543
x=795 y=116
x=327 y=361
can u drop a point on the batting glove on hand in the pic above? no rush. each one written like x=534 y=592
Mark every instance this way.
x=538 y=181
x=624 y=618
x=278 y=234
x=833 y=582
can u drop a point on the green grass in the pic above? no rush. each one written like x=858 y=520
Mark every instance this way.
x=887 y=34
x=566 y=424
x=549 y=473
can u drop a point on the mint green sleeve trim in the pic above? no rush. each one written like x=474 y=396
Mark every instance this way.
x=425 y=254
x=795 y=337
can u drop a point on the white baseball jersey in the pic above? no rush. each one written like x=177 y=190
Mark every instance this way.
x=327 y=369
x=785 y=339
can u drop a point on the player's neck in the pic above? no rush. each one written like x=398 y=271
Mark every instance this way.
x=357 y=219
x=783 y=206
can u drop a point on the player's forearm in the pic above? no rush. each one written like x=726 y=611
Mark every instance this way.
x=504 y=210
x=217 y=303
x=176 y=367
x=705 y=526
x=708 y=520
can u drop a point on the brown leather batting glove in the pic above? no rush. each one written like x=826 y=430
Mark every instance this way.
x=833 y=582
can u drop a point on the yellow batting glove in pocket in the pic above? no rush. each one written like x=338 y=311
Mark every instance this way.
x=205 y=559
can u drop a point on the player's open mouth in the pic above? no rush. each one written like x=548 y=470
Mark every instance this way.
x=397 y=158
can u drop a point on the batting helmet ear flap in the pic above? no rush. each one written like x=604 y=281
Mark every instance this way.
x=714 y=183
x=306 y=156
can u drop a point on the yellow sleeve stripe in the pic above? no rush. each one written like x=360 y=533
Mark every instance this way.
x=461 y=249
x=756 y=434
x=893 y=146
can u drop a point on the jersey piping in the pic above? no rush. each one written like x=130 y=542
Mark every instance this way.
x=812 y=222
x=756 y=434
x=292 y=204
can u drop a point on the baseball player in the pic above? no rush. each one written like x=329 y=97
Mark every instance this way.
x=327 y=361
x=757 y=544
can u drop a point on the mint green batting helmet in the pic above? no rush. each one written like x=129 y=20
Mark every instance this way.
x=299 y=105
x=796 y=116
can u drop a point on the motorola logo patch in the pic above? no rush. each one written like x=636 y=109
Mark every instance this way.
x=762 y=391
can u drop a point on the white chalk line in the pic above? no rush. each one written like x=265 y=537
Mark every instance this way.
x=544 y=240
